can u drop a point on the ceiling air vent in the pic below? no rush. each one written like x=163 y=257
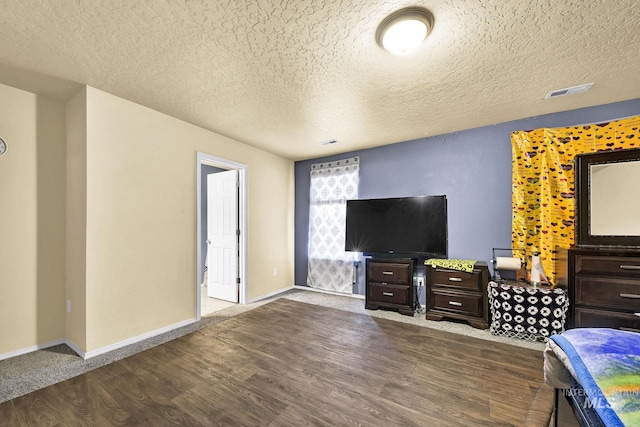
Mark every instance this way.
x=329 y=142
x=568 y=91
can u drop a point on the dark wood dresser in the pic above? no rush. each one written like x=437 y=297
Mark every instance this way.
x=458 y=295
x=389 y=284
x=604 y=288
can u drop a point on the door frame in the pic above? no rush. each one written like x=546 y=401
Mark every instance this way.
x=218 y=162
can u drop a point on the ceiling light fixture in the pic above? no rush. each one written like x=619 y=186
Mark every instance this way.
x=403 y=31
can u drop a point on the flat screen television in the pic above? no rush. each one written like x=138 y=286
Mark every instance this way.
x=403 y=226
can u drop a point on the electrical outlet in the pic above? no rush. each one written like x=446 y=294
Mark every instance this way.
x=68 y=306
x=275 y=272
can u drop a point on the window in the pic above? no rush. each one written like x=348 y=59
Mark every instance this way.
x=332 y=184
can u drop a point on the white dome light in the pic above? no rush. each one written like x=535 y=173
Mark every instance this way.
x=403 y=31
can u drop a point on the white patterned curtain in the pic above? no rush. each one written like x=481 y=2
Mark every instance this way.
x=332 y=184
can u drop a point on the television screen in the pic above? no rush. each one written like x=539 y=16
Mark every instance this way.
x=403 y=226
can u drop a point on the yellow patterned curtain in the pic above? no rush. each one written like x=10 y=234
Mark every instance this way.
x=543 y=184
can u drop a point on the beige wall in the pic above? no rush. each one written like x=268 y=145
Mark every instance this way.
x=141 y=210
x=270 y=227
x=125 y=183
x=32 y=221
x=76 y=319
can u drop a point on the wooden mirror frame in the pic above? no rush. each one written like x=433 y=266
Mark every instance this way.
x=583 y=162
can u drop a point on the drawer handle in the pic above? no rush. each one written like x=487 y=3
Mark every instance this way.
x=456 y=303
x=630 y=267
x=387 y=294
x=388 y=273
x=632 y=296
x=629 y=329
x=455 y=279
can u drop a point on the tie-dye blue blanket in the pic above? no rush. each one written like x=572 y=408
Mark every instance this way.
x=607 y=365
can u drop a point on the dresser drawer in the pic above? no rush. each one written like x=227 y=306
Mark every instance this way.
x=590 y=318
x=387 y=272
x=391 y=294
x=607 y=265
x=467 y=304
x=459 y=279
x=606 y=292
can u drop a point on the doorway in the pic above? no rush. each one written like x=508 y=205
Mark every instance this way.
x=206 y=163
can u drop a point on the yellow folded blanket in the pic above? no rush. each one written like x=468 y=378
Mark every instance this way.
x=465 y=265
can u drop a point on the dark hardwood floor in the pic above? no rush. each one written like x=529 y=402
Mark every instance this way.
x=288 y=363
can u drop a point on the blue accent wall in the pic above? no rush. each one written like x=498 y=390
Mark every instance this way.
x=471 y=167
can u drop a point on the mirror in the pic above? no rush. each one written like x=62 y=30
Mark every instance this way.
x=608 y=198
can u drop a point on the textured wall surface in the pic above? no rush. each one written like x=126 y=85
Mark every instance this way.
x=472 y=168
x=32 y=245
x=287 y=75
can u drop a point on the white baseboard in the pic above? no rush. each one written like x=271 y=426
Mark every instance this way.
x=75 y=348
x=272 y=294
x=22 y=351
x=94 y=353
x=116 y=346
x=308 y=288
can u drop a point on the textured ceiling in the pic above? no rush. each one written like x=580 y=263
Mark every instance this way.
x=286 y=75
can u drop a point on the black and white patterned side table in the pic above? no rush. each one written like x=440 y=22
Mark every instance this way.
x=523 y=311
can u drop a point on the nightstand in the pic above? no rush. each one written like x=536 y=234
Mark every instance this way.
x=458 y=295
x=389 y=284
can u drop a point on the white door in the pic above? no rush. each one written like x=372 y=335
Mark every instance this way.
x=222 y=237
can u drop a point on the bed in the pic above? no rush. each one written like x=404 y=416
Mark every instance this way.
x=597 y=370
